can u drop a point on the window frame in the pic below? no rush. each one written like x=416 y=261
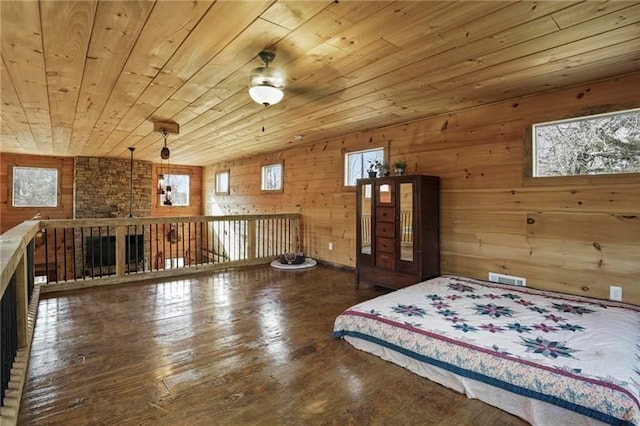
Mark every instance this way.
x=262 y=175
x=173 y=204
x=345 y=153
x=13 y=182
x=215 y=182
x=529 y=154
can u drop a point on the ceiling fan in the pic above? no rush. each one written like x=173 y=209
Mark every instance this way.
x=266 y=84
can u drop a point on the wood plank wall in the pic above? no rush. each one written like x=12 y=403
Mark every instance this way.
x=575 y=236
x=195 y=207
x=11 y=216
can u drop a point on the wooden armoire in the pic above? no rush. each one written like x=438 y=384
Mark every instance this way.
x=397 y=230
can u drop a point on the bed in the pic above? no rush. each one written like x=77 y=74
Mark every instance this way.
x=545 y=357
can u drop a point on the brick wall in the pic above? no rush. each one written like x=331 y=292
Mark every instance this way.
x=101 y=187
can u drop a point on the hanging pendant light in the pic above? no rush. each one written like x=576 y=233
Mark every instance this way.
x=160 y=181
x=167 y=196
x=165 y=153
x=131 y=184
x=163 y=187
x=266 y=83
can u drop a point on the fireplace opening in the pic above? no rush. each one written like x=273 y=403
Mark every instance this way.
x=100 y=253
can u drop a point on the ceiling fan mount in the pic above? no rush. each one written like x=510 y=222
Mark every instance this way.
x=267 y=56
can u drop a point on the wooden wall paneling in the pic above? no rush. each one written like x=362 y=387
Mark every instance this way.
x=12 y=216
x=195 y=207
x=469 y=221
x=621 y=199
x=546 y=277
x=554 y=252
x=597 y=227
x=577 y=236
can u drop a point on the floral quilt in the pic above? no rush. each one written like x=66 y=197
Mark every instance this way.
x=578 y=353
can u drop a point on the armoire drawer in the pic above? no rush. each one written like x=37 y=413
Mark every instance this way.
x=385 y=214
x=386 y=245
x=385 y=260
x=385 y=229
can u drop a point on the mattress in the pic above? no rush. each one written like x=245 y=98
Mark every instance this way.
x=536 y=354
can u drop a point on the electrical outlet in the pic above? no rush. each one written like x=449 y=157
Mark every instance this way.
x=330 y=246
x=615 y=293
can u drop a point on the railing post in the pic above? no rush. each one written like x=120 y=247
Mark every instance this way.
x=295 y=232
x=251 y=239
x=22 y=301
x=121 y=237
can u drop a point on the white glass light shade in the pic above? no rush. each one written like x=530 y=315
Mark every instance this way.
x=266 y=95
x=266 y=85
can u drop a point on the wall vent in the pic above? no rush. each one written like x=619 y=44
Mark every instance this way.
x=507 y=279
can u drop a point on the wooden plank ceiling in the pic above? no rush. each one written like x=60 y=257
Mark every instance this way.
x=90 y=78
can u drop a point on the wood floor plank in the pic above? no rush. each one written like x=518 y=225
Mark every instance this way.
x=250 y=346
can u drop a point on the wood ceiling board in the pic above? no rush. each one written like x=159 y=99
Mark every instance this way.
x=13 y=115
x=22 y=52
x=531 y=74
x=291 y=14
x=210 y=36
x=565 y=77
x=485 y=71
x=66 y=31
x=440 y=19
x=9 y=139
x=586 y=11
x=437 y=57
x=115 y=30
x=443 y=42
x=451 y=48
x=168 y=25
x=239 y=57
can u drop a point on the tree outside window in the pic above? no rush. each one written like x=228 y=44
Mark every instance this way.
x=35 y=187
x=601 y=144
x=179 y=190
x=272 y=177
x=356 y=164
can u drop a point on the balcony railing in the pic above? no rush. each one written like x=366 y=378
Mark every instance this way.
x=54 y=255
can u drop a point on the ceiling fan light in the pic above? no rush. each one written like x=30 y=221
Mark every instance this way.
x=266 y=94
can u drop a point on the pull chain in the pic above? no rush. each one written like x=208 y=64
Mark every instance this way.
x=264 y=116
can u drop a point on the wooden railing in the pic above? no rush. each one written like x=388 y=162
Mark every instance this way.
x=55 y=255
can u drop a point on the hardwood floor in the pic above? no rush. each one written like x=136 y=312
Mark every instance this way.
x=250 y=346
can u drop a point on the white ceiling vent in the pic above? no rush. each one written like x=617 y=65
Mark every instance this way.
x=507 y=279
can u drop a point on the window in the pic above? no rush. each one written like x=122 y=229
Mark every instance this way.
x=593 y=145
x=272 y=177
x=222 y=183
x=179 y=194
x=35 y=187
x=357 y=163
